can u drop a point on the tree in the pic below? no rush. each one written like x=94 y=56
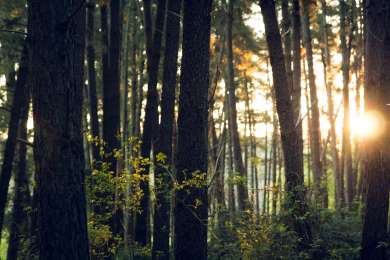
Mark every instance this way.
x=91 y=58
x=19 y=226
x=243 y=201
x=56 y=52
x=320 y=190
x=153 y=51
x=19 y=101
x=345 y=44
x=191 y=202
x=293 y=162
x=377 y=98
x=164 y=142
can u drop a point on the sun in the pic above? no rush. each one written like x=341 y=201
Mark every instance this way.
x=368 y=126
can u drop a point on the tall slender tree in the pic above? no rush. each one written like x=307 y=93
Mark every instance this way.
x=293 y=162
x=320 y=190
x=345 y=66
x=20 y=99
x=164 y=143
x=153 y=51
x=56 y=51
x=19 y=226
x=243 y=200
x=190 y=237
x=91 y=58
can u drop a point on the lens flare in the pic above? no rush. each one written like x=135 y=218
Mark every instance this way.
x=369 y=125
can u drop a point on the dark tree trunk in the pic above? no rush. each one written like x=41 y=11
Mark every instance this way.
x=91 y=57
x=134 y=72
x=190 y=238
x=286 y=31
x=242 y=189
x=57 y=67
x=164 y=142
x=320 y=191
x=296 y=74
x=151 y=115
x=111 y=121
x=295 y=199
x=20 y=98
x=19 y=226
x=346 y=149
x=377 y=148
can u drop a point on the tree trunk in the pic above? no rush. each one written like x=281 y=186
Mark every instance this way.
x=346 y=149
x=93 y=100
x=295 y=200
x=20 y=99
x=19 y=227
x=151 y=115
x=56 y=65
x=191 y=222
x=320 y=191
x=164 y=143
x=239 y=168
x=326 y=61
x=377 y=148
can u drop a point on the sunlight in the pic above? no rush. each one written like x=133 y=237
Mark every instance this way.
x=370 y=125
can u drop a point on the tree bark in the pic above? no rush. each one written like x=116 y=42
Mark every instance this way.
x=320 y=190
x=377 y=149
x=19 y=227
x=346 y=149
x=242 y=188
x=163 y=182
x=57 y=66
x=91 y=57
x=20 y=98
x=151 y=116
x=191 y=222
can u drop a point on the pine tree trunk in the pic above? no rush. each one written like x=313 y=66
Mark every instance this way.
x=164 y=143
x=326 y=61
x=242 y=189
x=377 y=149
x=346 y=148
x=91 y=57
x=19 y=227
x=20 y=99
x=295 y=201
x=320 y=191
x=191 y=222
x=153 y=50
x=57 y=93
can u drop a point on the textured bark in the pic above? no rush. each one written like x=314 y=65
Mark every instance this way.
x=242 y=188
x=295 y=200
x=164 y=143
x=19 y=227
x=151 y=115
x=286 y=32
x=56 y=64
x=320 y=191
x=190 y=238
x=134 y=72
x=346 y=149
x=91 y=57
x=20 y=98
x=377 y=150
